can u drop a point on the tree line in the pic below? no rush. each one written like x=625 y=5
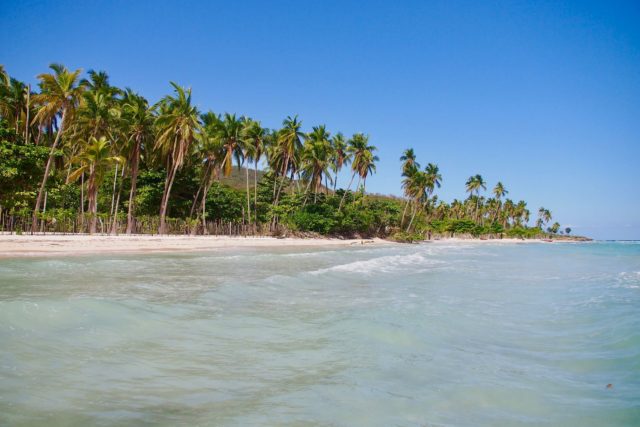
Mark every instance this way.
x=81 y=147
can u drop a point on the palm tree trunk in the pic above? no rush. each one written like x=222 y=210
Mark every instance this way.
x=132 y=191
x=47 y=169
x=404 y=212
x=255 y=191
x=346 y=191
x=165 y=199
x=93 y=205
x=415 y=211
x=26 y=126
x=114 y=224
x=284 y=177
x=248 y=197
x=113 y=191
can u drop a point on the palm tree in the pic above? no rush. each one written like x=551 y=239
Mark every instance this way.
x=544 y=216
x=418 y=184
x=316 y=158
x=340 y=156
x=474 y=184
x=95 y=159
x=177 y=126
x=60 y=93
x=362 y=160
x=409 y=163
x=499 y=191
x=255 y=137
x=289 y=145
x=434 y=178
x=139 y=129
x=213 y=152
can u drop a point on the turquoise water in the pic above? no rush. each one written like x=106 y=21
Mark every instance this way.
x=415 y=335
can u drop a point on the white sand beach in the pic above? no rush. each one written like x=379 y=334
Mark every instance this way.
x=12 y=246
x=80 y=244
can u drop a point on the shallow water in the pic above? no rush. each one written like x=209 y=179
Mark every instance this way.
x=416 y=335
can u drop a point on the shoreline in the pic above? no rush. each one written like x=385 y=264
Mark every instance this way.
x=51 y=245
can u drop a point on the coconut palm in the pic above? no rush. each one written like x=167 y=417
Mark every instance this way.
x=340 y=156
x=316 y=158
x=177 y=124
x=409 y=163
x=139 y=121
x=362 y=160
x=499 y=191
x=544 y=216
x=474 y=184
x=287 y=150
x=255 y=137
x=59 y=94
x=212 y=153
x=95 y=159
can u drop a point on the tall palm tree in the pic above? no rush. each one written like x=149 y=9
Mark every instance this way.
x=434 y=178
x=213 y=153
x=288 y=148
x=544 y=216
x=255 y=137
x=94 y=160
x=139 y=121
x=474 y=184
x=499 y=191
x=362 y=160
x=316 y=157
x=417 y=188
x=340 y=156
x=177 y=125
x=60 y=93
x=409 y=163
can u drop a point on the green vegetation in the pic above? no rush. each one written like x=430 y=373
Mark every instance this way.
x=80 y=155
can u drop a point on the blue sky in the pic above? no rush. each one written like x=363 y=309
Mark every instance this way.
x=544 y=96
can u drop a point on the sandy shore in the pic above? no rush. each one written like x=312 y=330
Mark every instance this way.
x=12 y=246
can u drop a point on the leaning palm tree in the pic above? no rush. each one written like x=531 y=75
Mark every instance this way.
x=94 y=160
x=60 y=93
x=177 y=126
x=474 y=184
x=138 y=120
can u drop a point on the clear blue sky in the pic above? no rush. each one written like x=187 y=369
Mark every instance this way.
x=544 y=96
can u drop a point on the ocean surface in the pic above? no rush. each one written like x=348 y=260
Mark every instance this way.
x=440 y=334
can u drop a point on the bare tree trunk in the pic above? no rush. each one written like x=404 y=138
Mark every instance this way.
x=47 y=169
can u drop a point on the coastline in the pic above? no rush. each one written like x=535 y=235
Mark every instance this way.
x=45 y=245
